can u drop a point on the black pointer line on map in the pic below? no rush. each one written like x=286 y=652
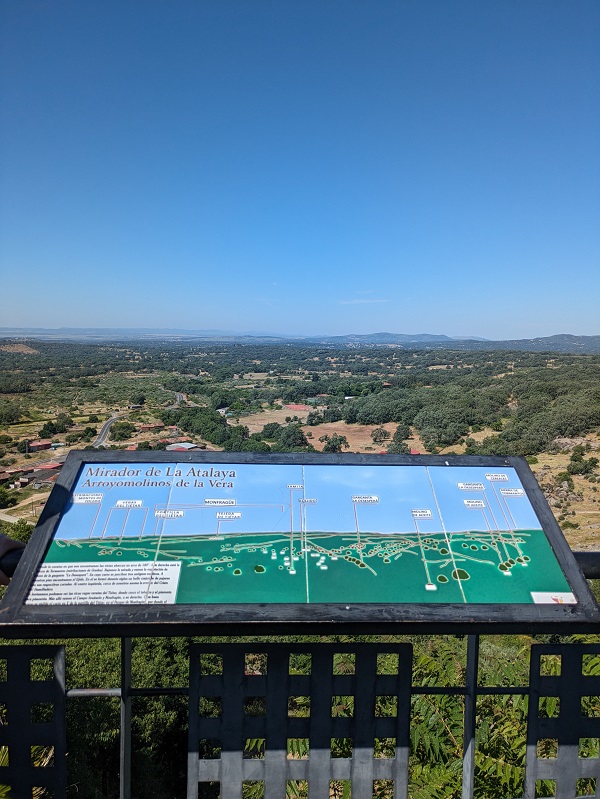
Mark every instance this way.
x=494 y=543
x=423 y=558
x=99 y=504
x=501 y=541
x=124 y=527
x=359 y=543
x=496 y=540
x=435 y=499
x=510 y=530
x=162 y=527
x=294 y=487
x=303 y=535
x=501 y=500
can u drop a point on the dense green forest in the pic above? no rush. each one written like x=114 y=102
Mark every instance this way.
x=524 y=400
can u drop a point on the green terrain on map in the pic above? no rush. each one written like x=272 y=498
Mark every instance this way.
x=332 y=567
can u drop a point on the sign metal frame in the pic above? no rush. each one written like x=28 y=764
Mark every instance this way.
x=17 y=619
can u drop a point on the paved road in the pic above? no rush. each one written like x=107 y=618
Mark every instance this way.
x=5 y=517
x=105 y=429
x=179 y=398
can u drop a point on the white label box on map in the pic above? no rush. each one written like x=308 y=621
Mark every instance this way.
x=129 y=503
x=474 y=503
x=87 y=499
x=512 y=492
x=553 y=598
x=105 y=584
x=219 y=501
x=228 y=514
x=368 y=499
x=295 y=485
x=421 y=513
x=471 y=486
x=168 y=514
x=308 y=501
x=497 y=476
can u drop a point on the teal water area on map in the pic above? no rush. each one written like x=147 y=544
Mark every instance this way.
x=497 y=567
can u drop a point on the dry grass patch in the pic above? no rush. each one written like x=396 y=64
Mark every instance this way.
x=358 y=435
x=23 y=348
x=256 y=421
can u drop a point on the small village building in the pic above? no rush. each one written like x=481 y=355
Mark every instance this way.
x=182 y=446
x=46 y=476
x=55 y=465
x=36 y=446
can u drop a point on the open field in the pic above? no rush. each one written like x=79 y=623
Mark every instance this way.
x=358 y=435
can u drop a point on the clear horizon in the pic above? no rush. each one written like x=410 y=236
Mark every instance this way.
x=264 y=333
x=336 y=168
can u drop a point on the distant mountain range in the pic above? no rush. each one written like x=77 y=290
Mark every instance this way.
x=563 y=342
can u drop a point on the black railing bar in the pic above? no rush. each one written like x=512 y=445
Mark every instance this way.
x=418 y=690
x=589 y=563
x=83 y=692
x=125 y=736
x=460 y=690
x=159 y=691
x=457 y=690
x=77 y=693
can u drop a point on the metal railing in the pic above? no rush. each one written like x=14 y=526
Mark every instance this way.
x=571 y=725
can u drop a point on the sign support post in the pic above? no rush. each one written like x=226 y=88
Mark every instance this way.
x=125 y=742
x=468 y=773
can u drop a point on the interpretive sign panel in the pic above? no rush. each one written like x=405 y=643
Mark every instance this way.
x=245 y=534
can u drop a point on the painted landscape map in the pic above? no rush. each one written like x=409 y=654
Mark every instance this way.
x=197 y=533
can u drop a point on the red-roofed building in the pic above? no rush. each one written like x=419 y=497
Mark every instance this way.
x=36 y=446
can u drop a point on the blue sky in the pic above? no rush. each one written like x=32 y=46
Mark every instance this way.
x=324 y=166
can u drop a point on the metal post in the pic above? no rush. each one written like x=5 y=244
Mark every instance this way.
x=125 y=746
x=468 y=773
